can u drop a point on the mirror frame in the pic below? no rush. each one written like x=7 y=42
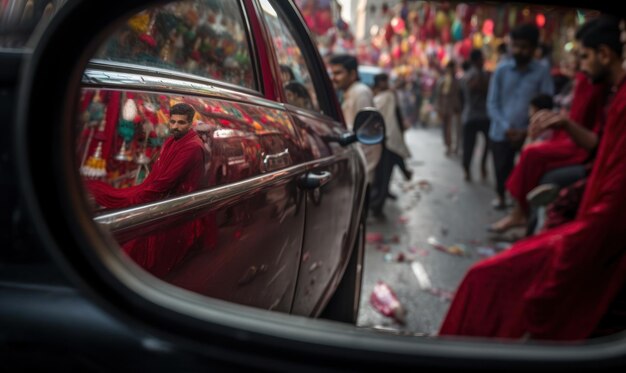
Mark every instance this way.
x=358 y=124
x=56 y=205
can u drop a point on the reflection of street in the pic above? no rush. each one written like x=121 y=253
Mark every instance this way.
x=432 y=234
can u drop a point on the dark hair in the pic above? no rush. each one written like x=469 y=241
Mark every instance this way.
x=183 y=109
x=451 y=65
x=466 y=65
x=605 y=32
x=542 y=101
x=287 y=69
x=298 y=89
x=378 y=78
x=584 y=28
x=349 y=62
x=476 y=55
x=526 y=31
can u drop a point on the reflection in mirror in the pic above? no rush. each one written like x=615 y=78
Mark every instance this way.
x=159 y=166
x=195 y=173
x=206 y=38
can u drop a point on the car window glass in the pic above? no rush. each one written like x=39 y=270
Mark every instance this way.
x=295 y=74
x=202 y=37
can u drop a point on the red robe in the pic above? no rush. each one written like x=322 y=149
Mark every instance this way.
x=559 y=284
x=560 y=151
x=178 y=170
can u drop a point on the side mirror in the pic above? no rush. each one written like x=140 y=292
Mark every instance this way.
x=369 y=126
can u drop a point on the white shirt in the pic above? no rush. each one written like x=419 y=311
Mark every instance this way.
x=355 y=98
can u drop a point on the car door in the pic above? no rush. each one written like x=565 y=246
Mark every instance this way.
x=334 y=181
x=238 y=236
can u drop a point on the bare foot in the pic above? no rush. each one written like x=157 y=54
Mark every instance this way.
x=508 y=222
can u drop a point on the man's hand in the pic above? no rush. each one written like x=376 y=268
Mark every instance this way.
x=515 y=135
x=544 y=120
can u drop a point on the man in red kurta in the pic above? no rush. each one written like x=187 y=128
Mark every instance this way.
x=178 y=170
x=560 y=284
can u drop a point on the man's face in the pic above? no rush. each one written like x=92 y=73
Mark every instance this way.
x=591 y=65
x=179 y=125
x=522 y=51
x=342 y=78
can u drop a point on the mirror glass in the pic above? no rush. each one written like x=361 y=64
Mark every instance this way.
x=195 y=169
x=369 y=127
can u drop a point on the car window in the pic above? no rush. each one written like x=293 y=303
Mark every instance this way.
x=201 y=37
x=296 y=77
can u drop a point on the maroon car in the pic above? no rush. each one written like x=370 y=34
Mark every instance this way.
x=275 y=216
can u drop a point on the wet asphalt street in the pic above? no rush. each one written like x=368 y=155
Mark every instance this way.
x=436 y=204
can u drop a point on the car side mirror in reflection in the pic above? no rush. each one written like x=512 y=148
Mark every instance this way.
x=369 y=128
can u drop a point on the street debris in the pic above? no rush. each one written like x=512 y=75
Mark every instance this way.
x=397 y=257
x=374 y=237
x=425 y=185
x=432 y=241
x=420 y=252
x=486 y=252
x=456 y=249
x=400 y=257
x=385 y=301
x=403 y=220
x=444 y=295
x=383 y=248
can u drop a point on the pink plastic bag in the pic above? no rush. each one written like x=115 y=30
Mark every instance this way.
x=386 y=302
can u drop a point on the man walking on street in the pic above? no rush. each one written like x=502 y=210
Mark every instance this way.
x=356 y=96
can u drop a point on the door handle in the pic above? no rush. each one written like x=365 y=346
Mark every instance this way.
x=272 y=162
x=315 y=179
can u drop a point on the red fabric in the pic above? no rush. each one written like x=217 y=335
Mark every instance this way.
x=557 y=285
x=560 y=151
x=178 y=170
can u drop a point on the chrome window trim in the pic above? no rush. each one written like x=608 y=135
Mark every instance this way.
x=144 y=217
x=252 y=48
x=133 y=77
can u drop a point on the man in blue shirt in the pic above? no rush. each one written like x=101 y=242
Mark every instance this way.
x=514 y=83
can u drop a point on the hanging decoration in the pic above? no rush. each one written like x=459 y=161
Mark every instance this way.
x=398 y=25
x=488 y=27
x=457 y=29
x=126 y=129
x=95 y=166
x=540 y=20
